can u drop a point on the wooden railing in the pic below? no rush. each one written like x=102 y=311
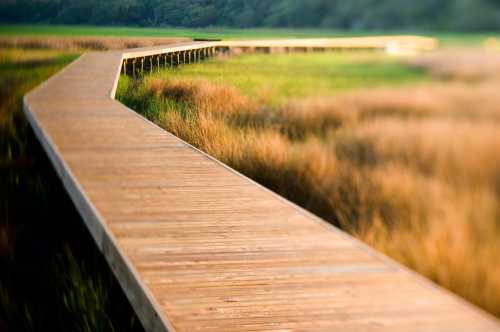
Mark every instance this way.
x=147 y=59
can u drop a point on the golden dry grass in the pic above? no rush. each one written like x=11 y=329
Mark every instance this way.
x=468 y=64
x=85 y=43
x=412 y=171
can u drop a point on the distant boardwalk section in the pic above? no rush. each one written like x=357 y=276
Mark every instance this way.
x=198 y=247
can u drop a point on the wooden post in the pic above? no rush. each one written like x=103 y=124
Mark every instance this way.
x=125 y=67
x=133 y=67
x=184 y=57
x=158 y=63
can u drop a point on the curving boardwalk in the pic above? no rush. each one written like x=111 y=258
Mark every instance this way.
x=198 y=247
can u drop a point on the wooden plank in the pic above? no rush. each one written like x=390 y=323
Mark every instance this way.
x=198 y=247
x=416 y=42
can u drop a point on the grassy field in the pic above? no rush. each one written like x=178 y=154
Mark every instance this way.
x=52 y=277
x=227 y=33
x=301 y=75
x=398 y=152
x=41 y=233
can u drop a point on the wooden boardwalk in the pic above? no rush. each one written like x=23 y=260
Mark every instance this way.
x=198 y=247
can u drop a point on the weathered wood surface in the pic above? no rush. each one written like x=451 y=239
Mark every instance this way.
x=198 y=247
x=414 y=42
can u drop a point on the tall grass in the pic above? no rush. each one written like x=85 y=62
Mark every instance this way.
x=96 y=43
x=412 y=170
x=52 y=276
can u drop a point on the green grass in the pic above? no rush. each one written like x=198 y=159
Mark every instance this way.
x=226 y=33
x=446 y=38
x=279 y=77
x=464 y=39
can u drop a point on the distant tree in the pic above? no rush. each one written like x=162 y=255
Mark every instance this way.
x=476 y=15
x=199 y=13
x=467 y=15
x=113 y=12
x=74 y=12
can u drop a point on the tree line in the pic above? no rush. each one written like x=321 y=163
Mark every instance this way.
x=465 y=15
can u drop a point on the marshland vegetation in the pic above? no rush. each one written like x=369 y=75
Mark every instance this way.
x=266 y=127
x=52 y=276
x=401 y=153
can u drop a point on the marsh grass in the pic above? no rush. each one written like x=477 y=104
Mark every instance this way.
x=404 y=161
x=465 y=64
x=95 y=43
x=52 y=276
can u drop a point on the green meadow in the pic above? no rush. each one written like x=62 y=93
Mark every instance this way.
x=279 y=77
x=446 y=38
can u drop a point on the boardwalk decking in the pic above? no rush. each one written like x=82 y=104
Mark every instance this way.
x=198 y=247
